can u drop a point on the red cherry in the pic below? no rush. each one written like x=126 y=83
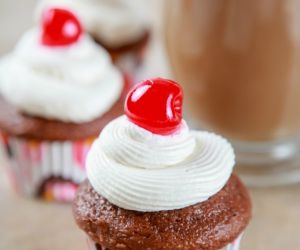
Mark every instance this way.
x=60 y=27
x=155 y=105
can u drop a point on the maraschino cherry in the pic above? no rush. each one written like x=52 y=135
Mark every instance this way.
x=60 y=27
x=155 y=105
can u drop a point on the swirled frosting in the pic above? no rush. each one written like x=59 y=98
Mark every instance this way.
x=113 y=22
x=75 y=83
x=138 y=170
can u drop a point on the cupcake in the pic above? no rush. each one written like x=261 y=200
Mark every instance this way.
x=113 y=24
x=154 y=184
x=58 y=89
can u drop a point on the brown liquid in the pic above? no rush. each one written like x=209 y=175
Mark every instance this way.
x=239 y=64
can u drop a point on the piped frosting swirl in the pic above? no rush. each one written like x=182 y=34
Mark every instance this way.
x=75 y=83
x=138 y=170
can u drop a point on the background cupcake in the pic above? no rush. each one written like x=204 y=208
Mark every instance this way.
x=58 y=90
x=154 y=184
x=113 y=24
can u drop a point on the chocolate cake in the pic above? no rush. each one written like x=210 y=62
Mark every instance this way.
x=209 y=225
x=14 y=122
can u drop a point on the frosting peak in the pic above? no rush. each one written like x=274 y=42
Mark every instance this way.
x=133 y=146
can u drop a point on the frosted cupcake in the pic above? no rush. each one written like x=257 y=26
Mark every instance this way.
x=58 y=89
x=154 y=184
x=113 y=24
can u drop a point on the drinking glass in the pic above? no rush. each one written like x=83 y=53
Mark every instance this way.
x=239 y=64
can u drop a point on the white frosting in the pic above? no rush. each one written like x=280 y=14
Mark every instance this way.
x=76 y=83
x=138 y=170
x=111 y=21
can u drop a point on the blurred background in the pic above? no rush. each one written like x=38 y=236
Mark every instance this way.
x=34 y=225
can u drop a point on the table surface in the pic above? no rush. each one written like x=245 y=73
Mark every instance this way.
x=33 y=225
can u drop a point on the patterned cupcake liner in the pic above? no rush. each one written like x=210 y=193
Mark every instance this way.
x=56 y=167
x=233 y=246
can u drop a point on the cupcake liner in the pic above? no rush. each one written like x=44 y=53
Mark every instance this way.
x=233 y=246
x=55 y=166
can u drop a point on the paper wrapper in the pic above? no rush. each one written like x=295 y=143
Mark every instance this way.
x=53 y=167
x=233 y=246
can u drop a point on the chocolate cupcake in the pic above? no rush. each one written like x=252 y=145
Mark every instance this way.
x=154 y=184
x=113 y=24
x=58 y=89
